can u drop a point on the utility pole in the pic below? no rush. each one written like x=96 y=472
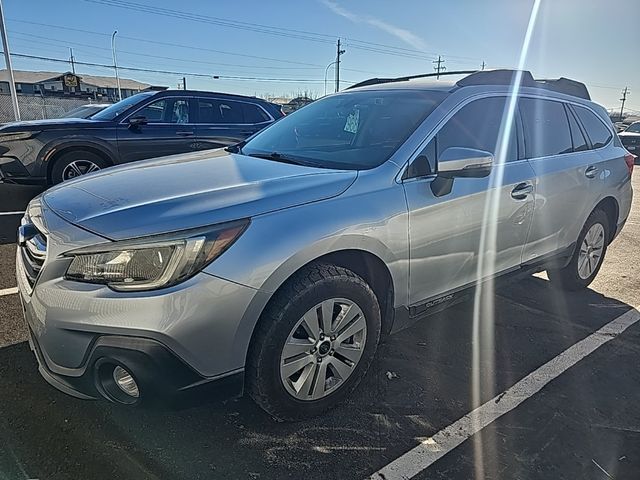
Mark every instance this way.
x=339 y=52
x=115 y=63
x=184 y=83
x=625 y=92
x=73 y=63
x=439 y=66
x=7 y=60
x=483 y=65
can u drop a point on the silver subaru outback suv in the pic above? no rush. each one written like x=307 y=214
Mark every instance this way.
x=275 y=266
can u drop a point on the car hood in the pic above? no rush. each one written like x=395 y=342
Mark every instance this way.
x=188 y=191
x=50 y=124
x=628 y=134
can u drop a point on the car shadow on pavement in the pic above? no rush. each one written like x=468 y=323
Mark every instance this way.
x=419 y=383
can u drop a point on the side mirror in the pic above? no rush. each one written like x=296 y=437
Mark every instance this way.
x=464 y=162
x=137 y=121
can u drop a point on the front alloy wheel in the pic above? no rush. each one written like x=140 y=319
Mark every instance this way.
x=323 y=349
x=313 y=343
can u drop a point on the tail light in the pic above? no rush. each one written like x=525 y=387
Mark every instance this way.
x=630 y=161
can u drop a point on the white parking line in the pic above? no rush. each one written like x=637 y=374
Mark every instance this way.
x=8 y=291
x=11 y=213
x=421 y=457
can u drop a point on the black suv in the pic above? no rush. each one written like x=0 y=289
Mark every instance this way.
x=146 y=125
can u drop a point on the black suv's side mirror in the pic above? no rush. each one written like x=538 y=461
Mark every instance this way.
x=137 y=121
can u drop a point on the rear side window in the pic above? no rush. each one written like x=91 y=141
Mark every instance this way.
x=579 y=142
x=546 y=128
x=254 y=114
x=596 y=130
x=219 y=111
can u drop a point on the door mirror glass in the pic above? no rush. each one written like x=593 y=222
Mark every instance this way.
x=138 y=120
x=464 y=162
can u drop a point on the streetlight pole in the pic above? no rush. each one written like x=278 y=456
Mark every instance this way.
x=326 y=70
x=115 y=63
x=7 y=59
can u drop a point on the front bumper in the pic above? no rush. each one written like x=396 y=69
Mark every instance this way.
x=193 y=334
x=161 y=376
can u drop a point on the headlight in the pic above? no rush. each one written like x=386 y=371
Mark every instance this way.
x=152 y=262
x=13 y=136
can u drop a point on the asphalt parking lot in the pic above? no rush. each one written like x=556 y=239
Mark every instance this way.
x=583 y=424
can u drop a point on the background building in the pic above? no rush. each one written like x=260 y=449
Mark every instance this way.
x=70 y=85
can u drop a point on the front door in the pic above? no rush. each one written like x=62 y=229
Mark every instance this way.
x=168 y=130
x=445 y=229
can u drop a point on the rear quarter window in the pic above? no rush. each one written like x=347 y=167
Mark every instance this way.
x=596 y=130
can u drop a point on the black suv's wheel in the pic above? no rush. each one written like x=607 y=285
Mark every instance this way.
x=588 y=256
x=314 y=343
x=74 y=164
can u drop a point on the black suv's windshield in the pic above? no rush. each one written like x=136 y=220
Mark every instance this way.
x=353 y=131
x=116 y=109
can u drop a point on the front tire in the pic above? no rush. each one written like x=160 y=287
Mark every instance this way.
x=74 y=164
x=588 y=256
x=314 y=343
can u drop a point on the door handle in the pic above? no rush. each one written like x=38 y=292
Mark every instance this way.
x=185 y=134
x=591 y=171
x=521 y=191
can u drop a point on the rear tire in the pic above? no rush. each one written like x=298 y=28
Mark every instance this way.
x=75 y=164
x=588 y=255
x=296 y=368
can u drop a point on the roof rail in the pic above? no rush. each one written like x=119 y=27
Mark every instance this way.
x=495 y=77
x=506 y=77
x=376 y=81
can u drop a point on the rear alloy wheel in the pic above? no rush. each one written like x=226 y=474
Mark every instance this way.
x=588 y=256
x=314 y=343
x=75 y=164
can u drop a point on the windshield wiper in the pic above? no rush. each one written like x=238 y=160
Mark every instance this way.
x=278 y=157
x=236 y=147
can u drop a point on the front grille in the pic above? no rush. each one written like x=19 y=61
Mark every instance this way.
x=33 y=254
x=626 y=141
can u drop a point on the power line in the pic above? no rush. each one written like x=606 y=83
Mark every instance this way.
x=170 y=72
x=267 y=29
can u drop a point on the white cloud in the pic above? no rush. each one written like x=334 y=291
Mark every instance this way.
x=403 y=34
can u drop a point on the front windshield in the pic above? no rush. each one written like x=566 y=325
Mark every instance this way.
x=355 y=131
x=634 y=128
x=116 y=109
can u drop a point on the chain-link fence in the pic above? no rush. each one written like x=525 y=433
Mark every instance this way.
x=36 y=107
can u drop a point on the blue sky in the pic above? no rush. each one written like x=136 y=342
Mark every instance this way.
x=595 y=41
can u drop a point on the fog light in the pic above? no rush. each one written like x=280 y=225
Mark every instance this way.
x=125 y=382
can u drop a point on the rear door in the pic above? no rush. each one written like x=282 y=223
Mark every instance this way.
x=169 y=129
x=567 y=175
x=222 y=122
x=445 y=232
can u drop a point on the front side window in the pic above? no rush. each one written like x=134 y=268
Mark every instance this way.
x=477 y=125
x=356 y=130
x=546 y=128
x=166 y=110
x=154 y=112
x=596 y=130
